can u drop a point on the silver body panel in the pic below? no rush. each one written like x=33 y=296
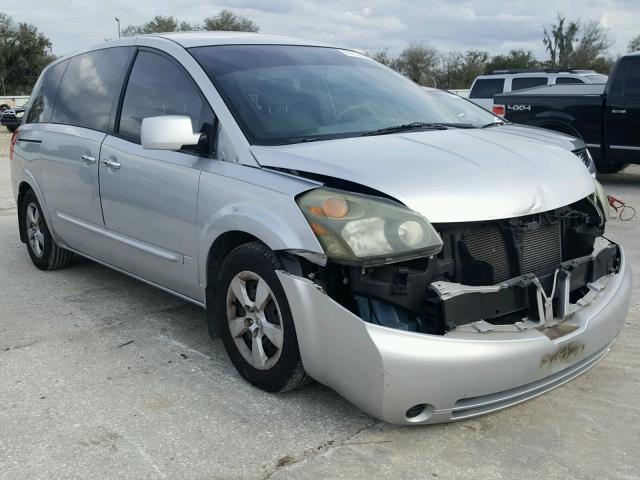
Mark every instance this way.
x=157 y=216
x=478 y=174
x=385 y=371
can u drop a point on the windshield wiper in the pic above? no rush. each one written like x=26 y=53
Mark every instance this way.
x=493 y=124
x=416 y=126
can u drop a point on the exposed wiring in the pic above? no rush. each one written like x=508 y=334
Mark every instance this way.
x=620 y=207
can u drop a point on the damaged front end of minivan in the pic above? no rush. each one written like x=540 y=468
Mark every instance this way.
x=453 y=320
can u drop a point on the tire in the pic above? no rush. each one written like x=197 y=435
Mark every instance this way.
x=12 y=129
x=246 y=271
x=611 y=167
x=43 y=250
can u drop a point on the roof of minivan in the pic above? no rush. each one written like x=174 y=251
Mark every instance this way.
x=200 y=39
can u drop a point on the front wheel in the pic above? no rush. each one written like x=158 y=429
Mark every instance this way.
x=255 y=321
x=43 y=250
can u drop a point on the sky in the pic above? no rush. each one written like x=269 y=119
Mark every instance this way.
x=492 y=25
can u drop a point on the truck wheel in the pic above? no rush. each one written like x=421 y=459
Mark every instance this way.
x=12 y=129
x=43 y=250
x=611 y=167
x=255 y=321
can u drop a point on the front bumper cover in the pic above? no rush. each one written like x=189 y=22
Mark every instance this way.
x=462 y=374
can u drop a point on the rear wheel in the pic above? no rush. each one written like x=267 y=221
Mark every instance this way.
x=43 y=250
x=255 y=322
x=12 y=129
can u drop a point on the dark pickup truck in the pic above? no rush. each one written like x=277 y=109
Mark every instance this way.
x=606 y=117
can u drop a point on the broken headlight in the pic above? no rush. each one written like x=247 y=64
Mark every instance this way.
x=363 y=230
x=601 y=198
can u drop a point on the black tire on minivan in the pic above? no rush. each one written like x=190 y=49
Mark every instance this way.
x=255 y=322
x=43 y=250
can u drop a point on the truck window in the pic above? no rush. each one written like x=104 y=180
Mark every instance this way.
x=527 y=82
x=567 y=80
x=632 y=84
x=487 y=87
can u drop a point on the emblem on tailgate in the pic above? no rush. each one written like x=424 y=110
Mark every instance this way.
x=519 y=108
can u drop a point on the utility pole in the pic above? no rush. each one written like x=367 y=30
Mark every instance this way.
x=118 y=21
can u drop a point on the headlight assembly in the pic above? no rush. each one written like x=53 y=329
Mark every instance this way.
x=363 y=230
x=601 y=199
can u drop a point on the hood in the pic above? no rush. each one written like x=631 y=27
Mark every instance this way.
x=542 y=134
x=448 y=176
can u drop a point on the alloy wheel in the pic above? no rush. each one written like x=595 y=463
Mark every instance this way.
x=34 y=230
x=255 y=321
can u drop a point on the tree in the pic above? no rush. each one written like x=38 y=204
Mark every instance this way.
x=24 y=52
x=591 y=49
x=634 y=44
x=158 y=24
x=559 y=42
x=228 y=21
x=457 y=70
x=418 y=62
x=383 y=57
x=515 y=59
x=572 y=45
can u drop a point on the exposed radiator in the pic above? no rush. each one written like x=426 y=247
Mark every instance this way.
x=486 y=244
x=541 y=248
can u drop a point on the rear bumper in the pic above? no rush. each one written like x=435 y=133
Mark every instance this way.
x=384 y=371
x=11 y=122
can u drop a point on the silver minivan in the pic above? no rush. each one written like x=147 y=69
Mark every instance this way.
x=334 y=219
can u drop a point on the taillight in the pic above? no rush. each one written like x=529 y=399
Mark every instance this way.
x=498 y=110
x=12 y=145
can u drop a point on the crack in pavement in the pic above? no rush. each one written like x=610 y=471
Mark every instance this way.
x=287 y=461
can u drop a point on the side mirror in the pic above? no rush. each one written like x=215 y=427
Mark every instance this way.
x=168 y=132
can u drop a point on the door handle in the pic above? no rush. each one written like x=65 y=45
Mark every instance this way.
x=88 y=159
x=618 y=110
x=111 y=164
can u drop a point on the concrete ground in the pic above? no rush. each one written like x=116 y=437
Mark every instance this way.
x=104 y=377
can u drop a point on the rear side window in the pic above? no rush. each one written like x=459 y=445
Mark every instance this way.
x=89 y=86
x=632 y=84
x=487 y=87
x=159 y=87
x=45 y=94
x=527 y=82
x=567 y=80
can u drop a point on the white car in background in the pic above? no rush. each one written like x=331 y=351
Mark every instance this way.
x=484 y=87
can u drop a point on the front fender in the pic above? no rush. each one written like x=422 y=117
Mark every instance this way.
x=227 y=204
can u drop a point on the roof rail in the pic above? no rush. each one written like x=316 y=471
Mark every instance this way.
x=539 y=70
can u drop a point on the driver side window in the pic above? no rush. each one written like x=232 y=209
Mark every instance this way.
x=159 y=87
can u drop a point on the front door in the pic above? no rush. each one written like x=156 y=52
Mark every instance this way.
x=623 y=113
x=149 y=197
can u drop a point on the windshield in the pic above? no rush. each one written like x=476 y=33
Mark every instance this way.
x=464 y=110
x=282 y=94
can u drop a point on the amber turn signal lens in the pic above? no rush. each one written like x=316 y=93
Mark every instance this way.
x=319 y=230
x=335 y=207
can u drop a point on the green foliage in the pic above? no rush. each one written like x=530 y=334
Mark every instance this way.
x=228 y=21
x=515 y=59
x=457 y=70
x=418 y=63
x=24 y=52
x=158 y=24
